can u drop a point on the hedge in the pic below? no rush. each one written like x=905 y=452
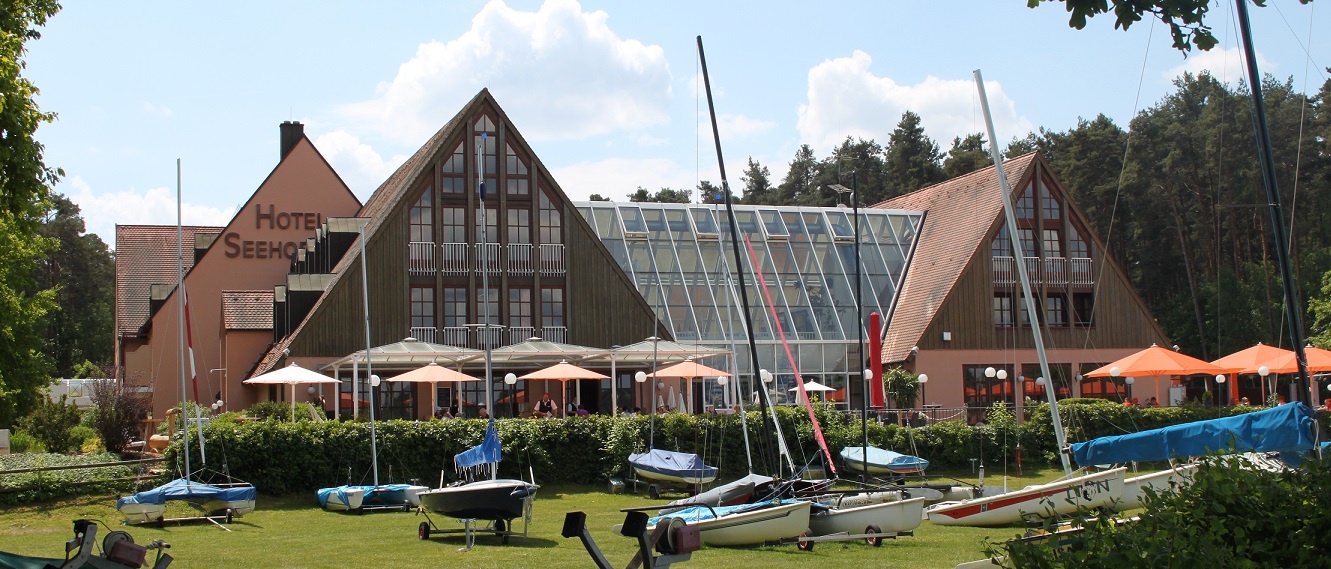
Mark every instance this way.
x=281 y=457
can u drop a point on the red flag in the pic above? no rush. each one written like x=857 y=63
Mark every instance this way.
x=876 y=359
x=189 y=341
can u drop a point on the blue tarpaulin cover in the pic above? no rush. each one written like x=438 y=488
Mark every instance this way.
x=883 y=458
x=182 y=489
x=387 y=493
x=1280 y=429
x=672 y=463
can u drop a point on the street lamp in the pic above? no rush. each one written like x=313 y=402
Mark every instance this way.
x=924 y=382
x=510 y=380
x=1219 y=387
x=1264 y=371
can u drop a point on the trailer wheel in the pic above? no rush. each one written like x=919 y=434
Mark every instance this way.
x=501 y=528
x=423 y=530
x=653 y=491
x=873 y=538
x=230 y=515
x=804 y=545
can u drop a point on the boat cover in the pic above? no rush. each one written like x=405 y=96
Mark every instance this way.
x=372 y=493
x=1288 y=427
x=701 y=513
x=183 y=489
x=883 y=458
x=673 y=463
x=488 y=452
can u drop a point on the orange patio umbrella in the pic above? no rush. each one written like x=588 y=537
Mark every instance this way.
x=1251 y=358
x=688 y=370
x=433 y=373
x=1318 y=360
x=563 y=371
x=1157 y=361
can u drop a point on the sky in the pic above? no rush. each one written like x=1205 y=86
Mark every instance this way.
x=608 y=94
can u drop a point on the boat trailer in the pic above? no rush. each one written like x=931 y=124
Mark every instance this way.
x=671 y=537
x=503 y=529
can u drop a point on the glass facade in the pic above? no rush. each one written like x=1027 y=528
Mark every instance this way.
x=680 y=258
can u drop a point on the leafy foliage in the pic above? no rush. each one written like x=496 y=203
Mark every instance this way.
x=1232 y=515
x=1185 y=18
x=118 y=412
x=902 y=386
x=51 y=422
x=29 y=487
x=274 y=411
x=21 y=442
x=82 y=271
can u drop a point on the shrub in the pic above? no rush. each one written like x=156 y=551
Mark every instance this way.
x=81 y=435
x=270 y=411
x=21 y=442
x=119 y=412
x=50 y=423
x=28 y=487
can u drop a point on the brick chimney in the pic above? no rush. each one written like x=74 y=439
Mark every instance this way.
x=292 y=132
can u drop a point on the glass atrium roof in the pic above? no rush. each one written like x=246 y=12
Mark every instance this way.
x=679 y=256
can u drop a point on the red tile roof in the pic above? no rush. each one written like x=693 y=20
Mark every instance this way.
x=959 y=214
x=145 y=256
x=247 y=309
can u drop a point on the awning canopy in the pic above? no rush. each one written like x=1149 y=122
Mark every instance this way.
x=688 y=370
x=661 y=351
x=410 y=353
x=538 y=352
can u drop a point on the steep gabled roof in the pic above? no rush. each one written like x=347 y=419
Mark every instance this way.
x=145 y=256
x=954 y=229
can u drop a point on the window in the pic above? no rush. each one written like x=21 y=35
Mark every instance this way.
x=1001 y=246
x=519 y=308
x=519 y=226
x=455 y=172
x=1026 y=205
x=1028 y=243
x=454 y=227
x=1077 y=246
x=552 y=307
x=982 y=391
x=1025 y=319
x=487 y=305
x=1083 y=308
x=1050 y=209
x=491 y=223
x=1003 y=310
x=552 y=220
x=421 y=218
x=1056 y=310
x=422 y=306
x=455 y=307
x=516 y=169
x=1053 y=244
x=484 y=138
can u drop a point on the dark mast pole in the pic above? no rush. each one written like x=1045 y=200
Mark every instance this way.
x=1293 y=307
x=739 y=264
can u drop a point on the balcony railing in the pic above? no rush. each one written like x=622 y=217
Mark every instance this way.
x=420 y=257
x=453 y=258
x=552 y=259
x=520 y=334
x=424 y=334
x=458 y=336
x=487 y=257
x=1056 y=271
x=519 y=258
x=558 y=334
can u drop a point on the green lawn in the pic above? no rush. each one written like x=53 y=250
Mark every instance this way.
x=291 y=531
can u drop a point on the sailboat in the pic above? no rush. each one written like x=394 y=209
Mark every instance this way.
x=376 y=497
x=497 y=500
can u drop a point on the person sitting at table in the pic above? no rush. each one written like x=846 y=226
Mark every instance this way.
x=545 y=407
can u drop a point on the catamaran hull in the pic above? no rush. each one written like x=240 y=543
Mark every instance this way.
x=237 y=508
x=135 y=513
x=1134 y=489
x=394 y=495
x=887 y=517
x=501 y=499
x=1063 y=497
x=678 y=478
x=756 y=527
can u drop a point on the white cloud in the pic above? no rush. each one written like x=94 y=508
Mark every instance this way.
x=846 y=99
x=1222 y=64
x=156 y=110
x=359 y=164
x=154 y=206
x=735 y=126
x=560 y=72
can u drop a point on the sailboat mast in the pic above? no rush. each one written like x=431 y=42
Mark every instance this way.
x=739 y=260
x=1293 y=308
x=485 y=285
x=1011 y=221
x=369 y=375
x=180 y=322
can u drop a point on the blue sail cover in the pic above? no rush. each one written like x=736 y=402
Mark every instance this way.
x=1284 y=428
x=883 y=458
x=183 y=489
x=488 y=452
x=672 y=463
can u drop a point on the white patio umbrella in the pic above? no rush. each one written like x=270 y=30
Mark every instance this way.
x=810 y=386
x=292 y=375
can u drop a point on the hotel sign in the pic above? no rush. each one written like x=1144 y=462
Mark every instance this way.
x=301 y=223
